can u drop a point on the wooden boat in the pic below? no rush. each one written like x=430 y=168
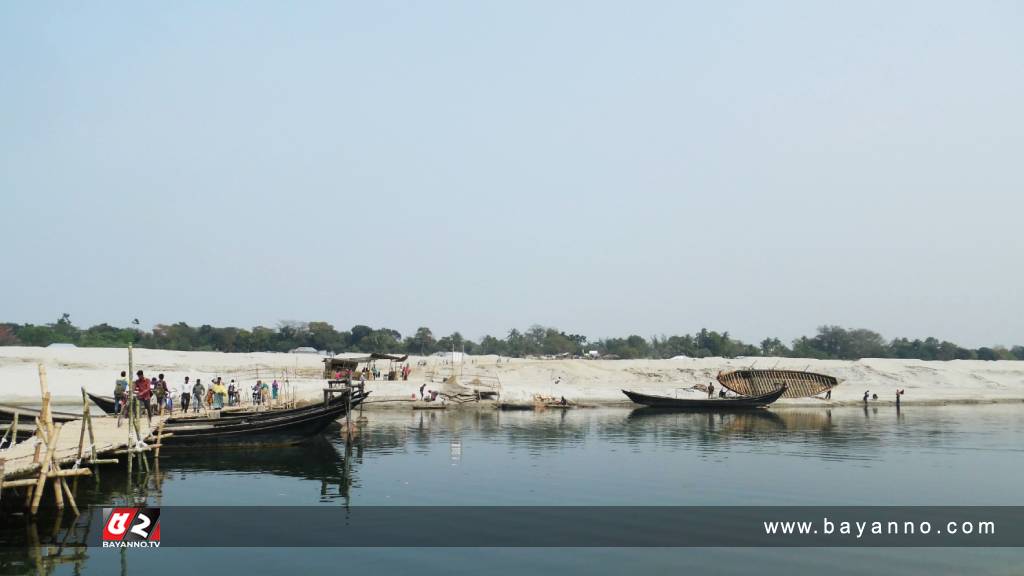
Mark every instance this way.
x=430 y=406
x=515 y=406
x=282 y=427
x=105 y=403
x=27 y=416
x=733 y=403
x=799 y=384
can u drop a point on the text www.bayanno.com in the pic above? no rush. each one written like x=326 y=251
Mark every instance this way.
x=860 y=529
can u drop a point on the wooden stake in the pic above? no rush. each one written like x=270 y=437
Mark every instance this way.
x=44 y=389
x=92 y=436
x=51 y=445
x=67 y=492
x=81 y=429
x=159 y=439
x=1 y=478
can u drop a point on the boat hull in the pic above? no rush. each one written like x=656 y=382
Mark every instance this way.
x=289 y=428
x=735 y=403
x=105 y=403
x=757 y=382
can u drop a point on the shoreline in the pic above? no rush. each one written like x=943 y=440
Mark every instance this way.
x=587 y=382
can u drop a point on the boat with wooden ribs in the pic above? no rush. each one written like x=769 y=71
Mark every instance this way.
x=272 y=427
x=730 y=403
x=755 y=382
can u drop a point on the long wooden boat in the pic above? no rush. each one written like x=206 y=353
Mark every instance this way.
x=27 y=416
x=799 y=384
x=288 y=427
x=734 y=403
x=229 y=416
x=105 y=403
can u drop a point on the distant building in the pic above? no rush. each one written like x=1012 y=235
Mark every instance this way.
x=303 y=350
x=450 y=356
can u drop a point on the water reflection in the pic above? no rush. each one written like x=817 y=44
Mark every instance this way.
x=852 y=455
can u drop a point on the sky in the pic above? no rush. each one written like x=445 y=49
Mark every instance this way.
x=607 y=168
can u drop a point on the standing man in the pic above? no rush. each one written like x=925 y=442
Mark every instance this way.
x=144 y=392
x=197 y=395
x=711 y=389
x=186 y=395
x=120 y=387
x=161 y=394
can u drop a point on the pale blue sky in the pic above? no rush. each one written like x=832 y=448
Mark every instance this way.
x=604 y=167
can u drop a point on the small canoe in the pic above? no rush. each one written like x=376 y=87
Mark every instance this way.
x=431 y=406
x=733 y=403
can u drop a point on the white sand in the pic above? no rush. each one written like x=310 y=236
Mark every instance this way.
x=586 y=381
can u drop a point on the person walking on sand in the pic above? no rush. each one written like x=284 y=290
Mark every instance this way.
x=198 y=391
x=186 y=395
x=421 y=390
x=711 y=389
x=828 y=395
x=866 y=392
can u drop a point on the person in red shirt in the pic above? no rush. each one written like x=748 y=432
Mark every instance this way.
x=143 y=391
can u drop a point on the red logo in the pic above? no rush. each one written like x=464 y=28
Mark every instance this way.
x=131 y=524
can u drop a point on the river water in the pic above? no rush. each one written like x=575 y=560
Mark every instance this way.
x=951 y=455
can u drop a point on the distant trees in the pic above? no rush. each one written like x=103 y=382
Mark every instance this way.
x=830 y=342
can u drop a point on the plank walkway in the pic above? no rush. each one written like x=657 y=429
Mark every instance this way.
x=20 y=459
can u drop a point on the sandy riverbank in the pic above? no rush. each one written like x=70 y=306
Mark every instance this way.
x=584 y=381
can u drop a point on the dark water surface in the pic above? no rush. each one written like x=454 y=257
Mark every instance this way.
x=967 y=455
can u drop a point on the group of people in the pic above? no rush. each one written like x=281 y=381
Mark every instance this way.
x=154 y=395
x=899 y=392
x=711 y=391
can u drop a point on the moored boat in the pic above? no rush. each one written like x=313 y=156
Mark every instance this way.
x=105 y=403
x=730 y=403
x=274 y=427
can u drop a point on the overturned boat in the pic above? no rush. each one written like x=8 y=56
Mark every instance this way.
x=798 y=383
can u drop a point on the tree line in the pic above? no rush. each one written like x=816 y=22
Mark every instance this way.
x=830 y=342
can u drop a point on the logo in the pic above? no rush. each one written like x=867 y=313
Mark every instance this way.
x=131 y=527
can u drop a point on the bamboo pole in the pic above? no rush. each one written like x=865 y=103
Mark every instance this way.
x=51 y=445
x=44 y=389
x=81 y=429
x=92 y=435
x=35 y=460
x=58 y=493
x=159 y=439
x=67 y=493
